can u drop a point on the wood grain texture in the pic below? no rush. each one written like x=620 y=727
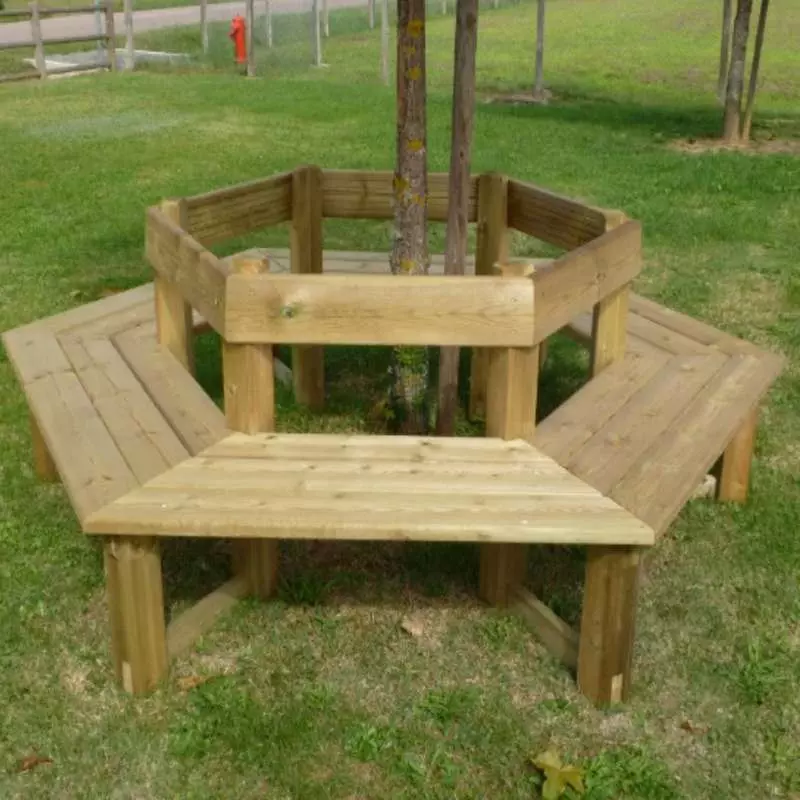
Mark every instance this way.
x=491 y=249
x=188 y=627
x=234 y=211
x=43 y=464
x=582 y=278
x=734 y=477
x=376 y=309
x=247 y=498
x=181 y=261
x=354 y=194
x=609 y=330
x=552 y=218
x=136 y=608
x=308 y=363
x=608 y=621
x=559 y=638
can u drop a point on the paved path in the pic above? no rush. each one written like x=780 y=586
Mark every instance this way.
x=84 y=25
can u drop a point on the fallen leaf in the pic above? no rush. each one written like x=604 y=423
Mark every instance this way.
x=558 y=776
x=32 y=761
x=413 y=627
x=189 y=682
x=690 y=727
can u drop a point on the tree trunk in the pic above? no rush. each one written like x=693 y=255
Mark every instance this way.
x=371 y=12
x=268 y=21
x=326 y=19
x=466 y=42
x=725 y=49
x=316 y=42
x=733 y=99
x=204 y=25
x=410 y=250
x=751 y=90
x=385 y=41
x=250 y=19
x=538 y=83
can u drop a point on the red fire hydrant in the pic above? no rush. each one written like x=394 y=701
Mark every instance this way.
x=238 y=34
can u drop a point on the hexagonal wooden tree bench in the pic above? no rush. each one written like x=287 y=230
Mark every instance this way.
x=144 y=453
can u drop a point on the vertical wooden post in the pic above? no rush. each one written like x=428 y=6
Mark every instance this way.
x=249 y=384
x=734 y=475
x=250 y=19
x=326 y=19
x=513 y=376
x=136 y=611
x=204 y=25
x=371 y=13
x=268 y=21
x=316 y=41
x=43 y=463
x=111 y=43
x=384 y=39
x=492 y=248
x=38 y=44
x=609 y=329
x=308 y=363
x=130 y=52
x=538 y=78
x=605 y=653
x=174 y=327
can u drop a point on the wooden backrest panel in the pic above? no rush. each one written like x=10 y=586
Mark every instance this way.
x=552 y=218
x=236 y=210
x=355 y=194
x=583 y=277
x=380 y=309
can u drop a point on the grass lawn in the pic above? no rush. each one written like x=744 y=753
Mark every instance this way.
x=322 y=694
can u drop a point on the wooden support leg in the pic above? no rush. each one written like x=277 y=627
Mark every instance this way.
x=136 y=610
x=609 y=330
x=605 y=652
x=734 y=474
x=257 y=561
x=43 y=463
x=503 y=568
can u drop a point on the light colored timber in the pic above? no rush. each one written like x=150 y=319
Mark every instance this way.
x=608 y=621
x=554 y=219
x=43 y=464
x=380 y=309
x=491 y=249
x=180 y=260
x=225 y=213
x=554 y=507
x=512 y=385
x=609 y=329
x=188 y=627
x=734 y=477
x=355 y=194
x=559 y=639
x=249 y=386
x=582 y=278
x=308 y=363
x=136 y=608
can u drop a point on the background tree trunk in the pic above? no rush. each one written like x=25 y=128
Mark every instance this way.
x=410 y=251
x=538 y=83
x=466 y=42
x=733 y=97
x=751 y=90
x=385 y=41
x=725 y=49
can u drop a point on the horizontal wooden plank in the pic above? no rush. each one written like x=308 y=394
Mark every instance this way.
x=579 y=280
x=660 y=483
x=236 y=210
x=552 y=218
x=380 y=309
x=34 y=353
x=90 y=465
x=193 y=415
x=25 y=75
x=356 y=194
x=184 y=631
x=558 y=638
x=52 y=11
x=180 y=259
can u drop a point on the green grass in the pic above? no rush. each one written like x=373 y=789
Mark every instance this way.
x=322 y=694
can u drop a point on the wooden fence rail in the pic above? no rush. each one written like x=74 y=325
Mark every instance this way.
x=35 y=13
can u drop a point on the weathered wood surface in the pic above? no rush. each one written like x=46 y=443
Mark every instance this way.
x=225 y=213
x=248 y=498
x=373 y=309
x=558 y=637
x=552 y=218
x=354 y=194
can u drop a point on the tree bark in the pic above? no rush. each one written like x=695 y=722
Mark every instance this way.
x=466 y=42
x=410 y=250
x=538 y=83
x=733 y=98
x=751 y=90
x=725 y=49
